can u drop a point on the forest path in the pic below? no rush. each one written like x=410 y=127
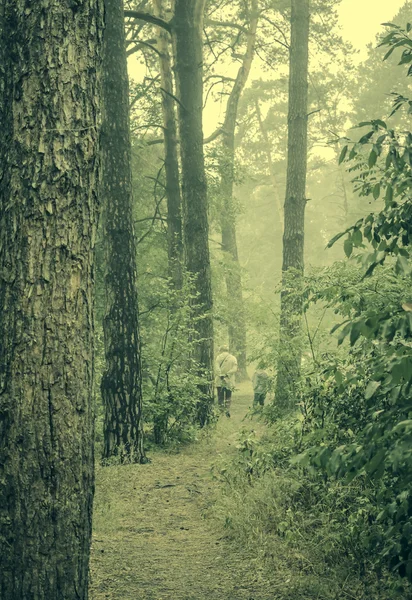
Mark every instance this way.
x=151 y=539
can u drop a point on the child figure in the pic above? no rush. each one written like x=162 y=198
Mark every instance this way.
x=260 y=382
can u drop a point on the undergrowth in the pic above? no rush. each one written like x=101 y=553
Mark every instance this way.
x=317 y=535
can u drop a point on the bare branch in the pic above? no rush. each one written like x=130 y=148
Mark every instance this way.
x=213 y=136
x=148 y=18
x=155 y=218
x=285 y=42
x=213 y=23
x=145 y=91
x=139 y=45
x=174 y=98
x=154 y=142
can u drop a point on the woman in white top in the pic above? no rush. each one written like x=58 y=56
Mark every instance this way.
x=225 y=369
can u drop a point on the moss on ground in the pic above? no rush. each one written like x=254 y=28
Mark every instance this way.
x=151 y=538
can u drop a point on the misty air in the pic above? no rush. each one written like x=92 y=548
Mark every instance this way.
x=205 y=300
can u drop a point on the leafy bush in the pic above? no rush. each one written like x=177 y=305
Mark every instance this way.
x=171 y=375
x=379 y=403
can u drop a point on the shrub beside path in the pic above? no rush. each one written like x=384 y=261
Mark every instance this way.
x=152 y=540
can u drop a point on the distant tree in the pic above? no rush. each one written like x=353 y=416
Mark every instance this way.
x=294 y=211
x=376 y=79
x=121 y=384
x=185 y=26
x=172 y=176
x=188 y=43
x=236 y=310
x=48 y=218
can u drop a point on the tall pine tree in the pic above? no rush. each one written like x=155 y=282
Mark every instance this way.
x=122 y=380
x=48 y=218
x=188 y=44
x=294 y=210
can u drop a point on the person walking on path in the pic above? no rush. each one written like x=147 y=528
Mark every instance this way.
x=226 y=367
x=260 y=382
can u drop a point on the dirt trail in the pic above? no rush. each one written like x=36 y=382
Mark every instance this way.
x=151 y=540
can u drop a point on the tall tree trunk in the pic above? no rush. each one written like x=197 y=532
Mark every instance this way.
x=187 y=28
x=174 y=200
x=272 y=173
x=48 y=220
x=237 y=321
x=295 y=202
x=121 y=383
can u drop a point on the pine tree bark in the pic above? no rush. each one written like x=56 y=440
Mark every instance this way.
x=187 y=33
x=173 y=194
x=237 y=320
x=294 y=209
x=121 y=383
x=48 y=218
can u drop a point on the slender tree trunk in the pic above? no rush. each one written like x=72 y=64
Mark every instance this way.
x=48 y=220
x=271 y=167
x=174 y=200
x=187 y=28
x=237 y=321
x=295 y=202
x=121 y=382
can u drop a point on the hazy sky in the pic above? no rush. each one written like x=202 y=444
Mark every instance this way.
x=361 y=19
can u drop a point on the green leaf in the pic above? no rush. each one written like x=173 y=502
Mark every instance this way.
x=370 y=270
x=373 y=157
x=343 y=154
x=355 y=333
x=402 y=265
x=348 y=247
x=336 y=327
x=402 y=425
x=375 y=464
x=389 y=52
x=365 y=138
x=301 y=459
x=389 y=193
x=406 y=57
x=380 y=123
x=371 y=389
x=338 y=378
x=357 y=237
x=376 y=191
x=344 y=333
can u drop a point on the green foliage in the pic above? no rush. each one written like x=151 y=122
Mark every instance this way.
x=323 y=532
x=327 y=489
x=373 y=406
x=171 y=375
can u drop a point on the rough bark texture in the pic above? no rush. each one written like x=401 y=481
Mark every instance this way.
x=121 y=382
x=237 y=322
x=187 y=27
x=294 y=210
x=48 y=220
x=174 y=200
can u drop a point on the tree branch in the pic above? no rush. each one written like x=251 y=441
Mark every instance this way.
x=149 y=18
x=285 y=42
x=139 y=45
x=213 y=23
x=174 y=98
x=213 y=136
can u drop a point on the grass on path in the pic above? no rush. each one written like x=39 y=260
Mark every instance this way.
x=151 y=539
